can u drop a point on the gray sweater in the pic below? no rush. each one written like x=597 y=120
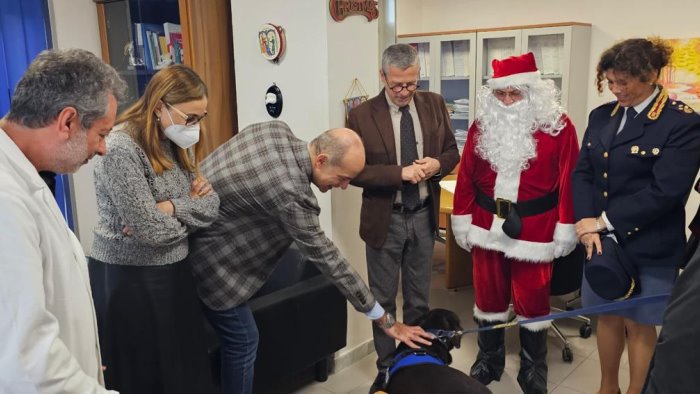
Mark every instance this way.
x=127 y=192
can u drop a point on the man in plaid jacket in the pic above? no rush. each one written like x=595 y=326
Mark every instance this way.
x=263 y=177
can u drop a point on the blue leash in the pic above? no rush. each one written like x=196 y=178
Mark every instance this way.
x=591 y=310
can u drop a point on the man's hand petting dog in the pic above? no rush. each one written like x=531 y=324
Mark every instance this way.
x=427 y=370
x=409 y=335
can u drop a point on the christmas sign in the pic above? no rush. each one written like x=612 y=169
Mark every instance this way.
x=340 y=9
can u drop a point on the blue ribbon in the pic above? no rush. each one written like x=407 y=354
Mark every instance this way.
x=591 y=310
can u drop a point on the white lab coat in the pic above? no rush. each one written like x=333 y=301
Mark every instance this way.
x=48 y=331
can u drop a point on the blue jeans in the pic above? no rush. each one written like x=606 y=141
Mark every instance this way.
x=238 y=338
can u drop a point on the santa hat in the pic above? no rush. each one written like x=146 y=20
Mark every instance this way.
x=515 y=70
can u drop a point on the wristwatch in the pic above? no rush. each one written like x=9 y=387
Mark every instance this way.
x=386 y=322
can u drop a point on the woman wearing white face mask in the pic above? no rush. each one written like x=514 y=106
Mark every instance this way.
x=150 y=197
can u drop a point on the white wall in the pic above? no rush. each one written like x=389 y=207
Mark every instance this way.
x=353 y=47
x=74 y=25
x=321 y=59
x=302 y=74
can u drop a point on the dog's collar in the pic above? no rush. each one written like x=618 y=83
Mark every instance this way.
x=445 y=337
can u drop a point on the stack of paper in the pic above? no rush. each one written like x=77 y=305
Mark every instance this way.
x=460 y=109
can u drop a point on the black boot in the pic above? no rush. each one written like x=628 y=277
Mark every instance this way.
x=533 y=361
x=491 y=359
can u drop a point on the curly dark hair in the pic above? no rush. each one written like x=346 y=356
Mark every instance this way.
x=637 y=57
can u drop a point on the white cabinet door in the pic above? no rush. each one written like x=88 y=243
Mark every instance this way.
x=552 y=49
x=562 y=55
x=457 y=61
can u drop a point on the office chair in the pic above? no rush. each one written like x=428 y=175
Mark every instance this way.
x=567 y=273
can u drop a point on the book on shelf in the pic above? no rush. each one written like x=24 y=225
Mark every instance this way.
x=447 y=59
x=140 y=55
x=157 y=48
x=424 y=59
x=460 y=51
x=173 y=38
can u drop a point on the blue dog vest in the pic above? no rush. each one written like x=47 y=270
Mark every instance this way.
x=414 y=358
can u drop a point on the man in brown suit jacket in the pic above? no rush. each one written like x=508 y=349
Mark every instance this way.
x=409 y=146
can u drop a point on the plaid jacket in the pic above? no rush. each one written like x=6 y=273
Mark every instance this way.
x=262 y=176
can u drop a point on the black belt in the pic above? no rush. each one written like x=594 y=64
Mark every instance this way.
x=512 y=211
x=402 y=209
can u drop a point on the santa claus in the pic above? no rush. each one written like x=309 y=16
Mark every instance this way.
x=513 y=210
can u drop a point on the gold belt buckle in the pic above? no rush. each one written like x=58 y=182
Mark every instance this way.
x=499 y=204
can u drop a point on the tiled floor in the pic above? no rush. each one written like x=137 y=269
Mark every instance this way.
x=580 y=376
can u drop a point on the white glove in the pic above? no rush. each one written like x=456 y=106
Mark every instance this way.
x=460 y=229
x=563 y=248
x=565 y=239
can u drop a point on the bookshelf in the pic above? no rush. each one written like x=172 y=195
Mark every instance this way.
x=561 y=51
x=139 y=37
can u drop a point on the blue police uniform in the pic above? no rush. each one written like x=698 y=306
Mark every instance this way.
x=640 y=177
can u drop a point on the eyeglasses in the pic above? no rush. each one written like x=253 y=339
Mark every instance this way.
x=190 y=119
x=513 y=94
x=399 y=87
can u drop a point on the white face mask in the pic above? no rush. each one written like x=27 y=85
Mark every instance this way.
x=183 y=136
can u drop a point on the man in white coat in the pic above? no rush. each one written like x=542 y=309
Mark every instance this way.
x=63 y=107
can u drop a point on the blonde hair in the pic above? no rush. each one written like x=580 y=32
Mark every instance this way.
x=173 y=85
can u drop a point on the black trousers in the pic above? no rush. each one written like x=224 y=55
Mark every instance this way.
x=151 y=329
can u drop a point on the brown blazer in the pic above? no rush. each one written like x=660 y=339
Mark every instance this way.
x=381 y=177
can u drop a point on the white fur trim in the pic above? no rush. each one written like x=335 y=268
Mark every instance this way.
x=529 y=78
x=565 y=233
x=537 y=326
x=506 y=187
x=535 y=252
x=491 y=316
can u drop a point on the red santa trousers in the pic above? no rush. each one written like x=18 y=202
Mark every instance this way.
x=496 y=277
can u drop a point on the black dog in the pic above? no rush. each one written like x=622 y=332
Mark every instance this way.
x=427 y=370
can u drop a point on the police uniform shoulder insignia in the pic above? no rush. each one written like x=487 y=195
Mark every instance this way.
x=681 y=107
x=658 y=105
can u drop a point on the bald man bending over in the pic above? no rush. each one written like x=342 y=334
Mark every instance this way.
x=263 y=177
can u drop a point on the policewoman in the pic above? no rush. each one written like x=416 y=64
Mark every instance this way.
x=638 y=159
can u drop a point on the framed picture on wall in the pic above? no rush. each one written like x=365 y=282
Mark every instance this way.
x=353 y=102
x=355 y=96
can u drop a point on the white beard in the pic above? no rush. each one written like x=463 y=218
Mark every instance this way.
x=506 y=138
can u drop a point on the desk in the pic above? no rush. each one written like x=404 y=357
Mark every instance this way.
x=458 y=262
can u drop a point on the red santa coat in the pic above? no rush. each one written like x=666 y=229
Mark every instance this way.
x=549 y=171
